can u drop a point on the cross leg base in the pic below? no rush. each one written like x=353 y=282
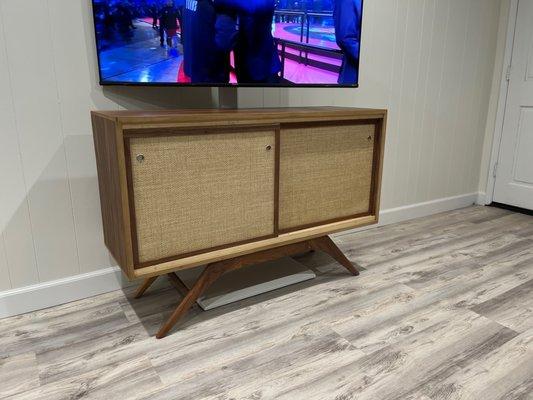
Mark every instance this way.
x=215 y=270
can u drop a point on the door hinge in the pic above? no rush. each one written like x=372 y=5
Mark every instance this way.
x=495 y=170
x=508 y=74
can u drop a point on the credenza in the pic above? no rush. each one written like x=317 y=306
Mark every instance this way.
x=232 y=188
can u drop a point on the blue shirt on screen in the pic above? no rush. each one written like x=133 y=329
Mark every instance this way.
x=347 y=19
x=246 y=6
x=256 y=56
x=204 y=62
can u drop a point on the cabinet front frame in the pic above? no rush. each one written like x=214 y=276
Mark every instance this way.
x=279 y=238
x=183 y=131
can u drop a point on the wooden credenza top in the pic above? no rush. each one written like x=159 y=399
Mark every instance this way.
x=239 y=116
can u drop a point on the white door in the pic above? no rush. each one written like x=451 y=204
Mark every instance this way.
x=514 y=179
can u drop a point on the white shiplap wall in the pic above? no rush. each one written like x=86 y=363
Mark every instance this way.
x=429 y=62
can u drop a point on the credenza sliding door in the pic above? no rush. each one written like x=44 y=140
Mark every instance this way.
x=196 y=191
x=327 y=172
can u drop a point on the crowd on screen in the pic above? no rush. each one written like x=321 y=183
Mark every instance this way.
x=219 y=36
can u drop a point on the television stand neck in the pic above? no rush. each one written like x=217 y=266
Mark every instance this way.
x=227 y=98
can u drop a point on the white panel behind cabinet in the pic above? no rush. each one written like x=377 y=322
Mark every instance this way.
x=37 y=113
x=76 y=64
x=17 y=251
x=76 y=71
x=5 y=281
x=12 y=188
x=86 y=203
x=33 y=83
x=529 y=69
x=19 y=248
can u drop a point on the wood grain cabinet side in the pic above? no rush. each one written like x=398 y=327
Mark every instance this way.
x=186 y=188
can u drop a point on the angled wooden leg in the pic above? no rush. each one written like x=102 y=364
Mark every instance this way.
x=144 y=287
x=327 y=245
x=178 y=284
x=215 y=270
x=211 y=273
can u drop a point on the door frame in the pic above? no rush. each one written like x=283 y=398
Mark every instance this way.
x=502 y=102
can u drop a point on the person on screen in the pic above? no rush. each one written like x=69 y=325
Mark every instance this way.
x=124 y=21
x=256 y=56
x=226 y=29
x=203 y=61
x=347 y=20
x=108 y=22
x=168 y=23
x=153 y=11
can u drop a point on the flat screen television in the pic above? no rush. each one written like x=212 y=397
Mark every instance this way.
x=272 y=43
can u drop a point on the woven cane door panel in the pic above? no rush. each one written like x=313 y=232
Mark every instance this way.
x=198 y=192
x=325 y=173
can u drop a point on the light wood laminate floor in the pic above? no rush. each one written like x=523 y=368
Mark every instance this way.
x=442 y=310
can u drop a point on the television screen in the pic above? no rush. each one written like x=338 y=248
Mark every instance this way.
x=228 y=42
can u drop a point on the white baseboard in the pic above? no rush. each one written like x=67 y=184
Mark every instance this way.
x=49 y=294
x=483 y=199
x=61 y=291
x=405 y=213
x=419 y=210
